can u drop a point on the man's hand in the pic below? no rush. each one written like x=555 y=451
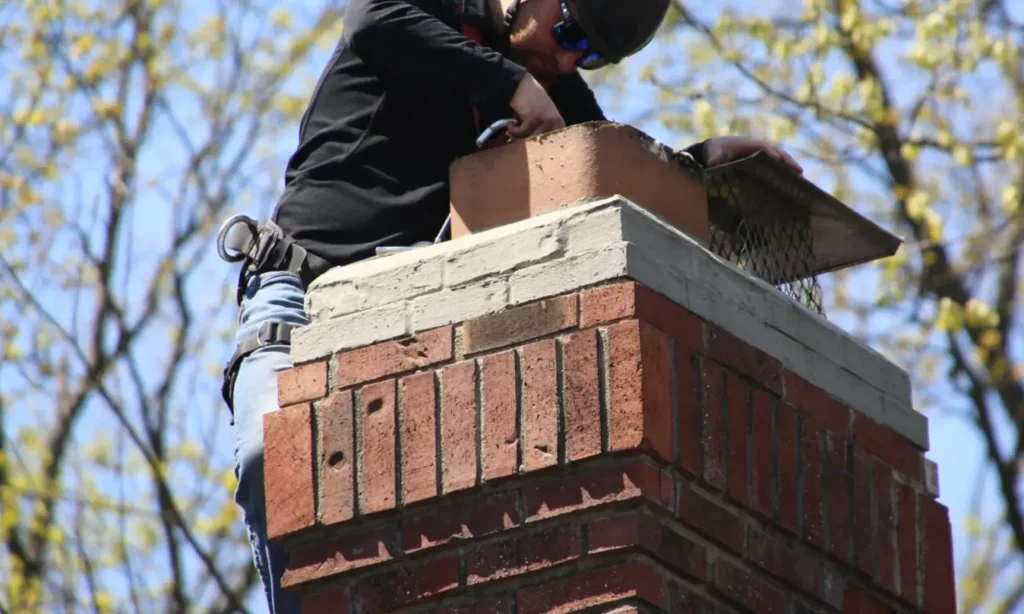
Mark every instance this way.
x=537 y=113
x=722 y=149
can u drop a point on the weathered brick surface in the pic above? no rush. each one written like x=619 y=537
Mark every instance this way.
x=523 y=554
x=739 y=586
x=540 y=405
x=582 y=396
x=336 y=435
x=838 y=480
x=737 y=439
x=520 y=324
x=640 y=388
x=811 y=476
x=351 y=551
x=419 y=437
x=894 y=450
x=628 y=299
x=594 y=587
x=886 y=535
x=306 y=382
x=288 y=465
x=712 y=429
x=763 y=475
x=500 y=424
x=637 y=531
x=603 y=450
x=377 y=448
x=623 y=482
x=458 y=426
x=939 y=580
x=907 y=542
x=711 y=520
x=745 y=359
x=393 y=357
x=465 y=520
x=689 y=410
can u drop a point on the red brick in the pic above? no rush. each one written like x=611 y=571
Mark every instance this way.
x=763 y=480
x=865 y=533
x=682 y=600
x=787 y=563
x=500 y=605
x=522 y=554
x=419 y=437
x=789 y=472
x=605 y=304
x=639 y=532
x=377 y=448
x=331 y=601
x=582 y=396
x=500 y=438
x=690 y=415
x=458 y=426
x=461 y=520
x=712 y=429
x=742 y=588
x=355 y=550
x=393 y=357
x=288 y=469
x=639 y=388
x=306 y=382
x=818 y=404
x=856 y=601
x=884 y=483
x=939 y=579
x=898 y=452
x=540 y=405
x=404 y=586
x=811 y=482
x=336 y=448
x=710 y=519
x=745 y=359
x=630 y=299
x=594 y=587
x=519 y=324
x=906 y=541
x=840 y=512
x=737 y=467
x=630 y=480
x=834 y=579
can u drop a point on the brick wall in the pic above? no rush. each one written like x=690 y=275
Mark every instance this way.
x=603 y=448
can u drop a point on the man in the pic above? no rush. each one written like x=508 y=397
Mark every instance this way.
x=406 y=92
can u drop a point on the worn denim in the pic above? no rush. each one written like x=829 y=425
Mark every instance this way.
x=270 y=297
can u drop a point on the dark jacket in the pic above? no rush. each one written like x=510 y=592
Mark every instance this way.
x=390 y=113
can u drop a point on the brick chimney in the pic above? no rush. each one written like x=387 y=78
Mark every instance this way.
x=587 y=410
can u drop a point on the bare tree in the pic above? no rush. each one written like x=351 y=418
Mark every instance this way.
x=132 y=129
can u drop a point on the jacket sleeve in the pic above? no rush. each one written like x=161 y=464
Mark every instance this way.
x=405 y=39
x=575 y=100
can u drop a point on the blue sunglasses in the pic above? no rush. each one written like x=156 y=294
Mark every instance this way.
x=571 y=37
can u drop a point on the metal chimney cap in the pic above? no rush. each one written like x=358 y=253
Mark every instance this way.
x=761 y=187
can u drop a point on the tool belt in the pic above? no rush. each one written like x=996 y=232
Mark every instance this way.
x=262 y=248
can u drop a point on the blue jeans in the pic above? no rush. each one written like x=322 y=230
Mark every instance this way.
x=270 y=297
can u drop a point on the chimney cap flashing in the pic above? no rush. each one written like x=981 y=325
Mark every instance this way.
x=841 y=237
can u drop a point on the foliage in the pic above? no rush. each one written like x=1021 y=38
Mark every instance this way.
x=129 y=130
x=911 y=111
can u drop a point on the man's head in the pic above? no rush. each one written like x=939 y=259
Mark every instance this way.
x=553 y=37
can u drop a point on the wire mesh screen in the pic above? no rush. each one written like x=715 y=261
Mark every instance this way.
x=769 y=241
